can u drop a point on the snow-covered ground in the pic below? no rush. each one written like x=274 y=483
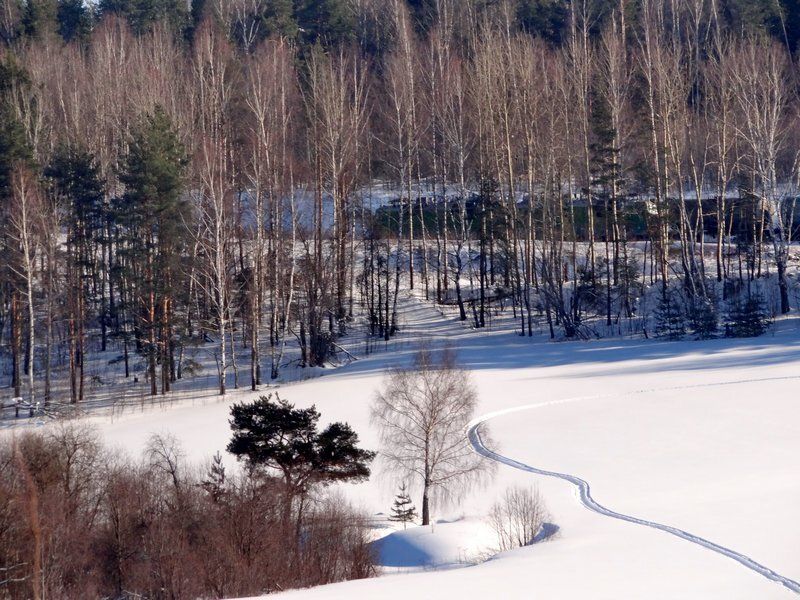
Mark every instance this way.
x=700 y=436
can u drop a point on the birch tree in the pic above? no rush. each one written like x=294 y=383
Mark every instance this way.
x=25 y=224
x=215 y=173
x=763 y=92
x=422 y=412
x=270 y=96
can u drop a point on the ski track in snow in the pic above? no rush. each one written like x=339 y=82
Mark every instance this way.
x=584 y=489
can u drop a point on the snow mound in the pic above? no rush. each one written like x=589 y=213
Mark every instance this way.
x=441 y=545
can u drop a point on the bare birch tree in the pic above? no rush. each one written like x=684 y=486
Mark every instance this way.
x=422 y=412
x=336 y=103
x=215 y=171
x=270 y=93
x=763 y=92
x=25 y=221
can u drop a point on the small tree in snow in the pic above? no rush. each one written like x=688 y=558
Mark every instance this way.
x=214 y=483
x=422 y=412
x=670 y=320
x=748 y=317
x=403 y=510
x=703 y=318
x=518 y=517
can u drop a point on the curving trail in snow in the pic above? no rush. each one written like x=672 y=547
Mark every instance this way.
x=584 y=489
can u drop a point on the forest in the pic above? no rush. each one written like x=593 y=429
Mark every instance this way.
x=257 y=176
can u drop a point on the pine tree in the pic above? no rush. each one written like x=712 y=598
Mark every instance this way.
x=143 y=14
x=265 y=20
x=153 y=216
x=403 y=510
x=13 y=145
x=547 y=19
x=74 y=20
x=703 y=318
x=329 y=22
x=748 y=317
x=273 y=435
x=79 y=190
x=39 y=18
x=424 y=14
x=214 y=483
x=14 y=151
x=670 y=321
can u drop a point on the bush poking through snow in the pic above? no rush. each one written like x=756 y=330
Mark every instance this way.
x=518 y=517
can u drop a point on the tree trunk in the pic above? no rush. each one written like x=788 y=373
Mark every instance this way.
x=426 y=515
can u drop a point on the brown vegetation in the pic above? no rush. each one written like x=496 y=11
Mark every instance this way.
x=79 y=521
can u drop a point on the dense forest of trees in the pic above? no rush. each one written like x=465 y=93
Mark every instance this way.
x=174 y=175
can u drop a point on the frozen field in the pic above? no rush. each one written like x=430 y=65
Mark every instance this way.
x=701 y=436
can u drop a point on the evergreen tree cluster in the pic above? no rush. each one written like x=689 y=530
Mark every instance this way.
x=332 y=22
x=745 y=315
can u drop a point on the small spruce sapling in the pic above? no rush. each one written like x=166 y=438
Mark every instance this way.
x=214 y=483
x=703 y=318
x=403 y=510
x=670 y=321
x=748 y=317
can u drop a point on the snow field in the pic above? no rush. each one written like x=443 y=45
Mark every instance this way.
x=677 y=433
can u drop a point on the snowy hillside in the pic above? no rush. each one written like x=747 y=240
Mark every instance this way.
x=700 y=436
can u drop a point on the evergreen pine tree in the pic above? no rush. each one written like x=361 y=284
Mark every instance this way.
x=13 y=145
x=547 y=19
x=77 y=180
x=265 y=20
x=143 y=14
x=748 y=317
x=703 y=318
x=275 y=436
x=80 y=190
x=153 y=215
x=329 y=22
x=13 y=148
x=670 y=321
x=74 y=20
x=153 y=211
x=403 y=510
x=39 y=18
x=424 y=14
x=214 y=483
x=10 y=23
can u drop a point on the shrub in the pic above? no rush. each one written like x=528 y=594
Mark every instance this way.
x=78 y=521
x=748 y=317
x=518 y=517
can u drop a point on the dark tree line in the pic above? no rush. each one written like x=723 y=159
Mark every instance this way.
x=254 y=176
